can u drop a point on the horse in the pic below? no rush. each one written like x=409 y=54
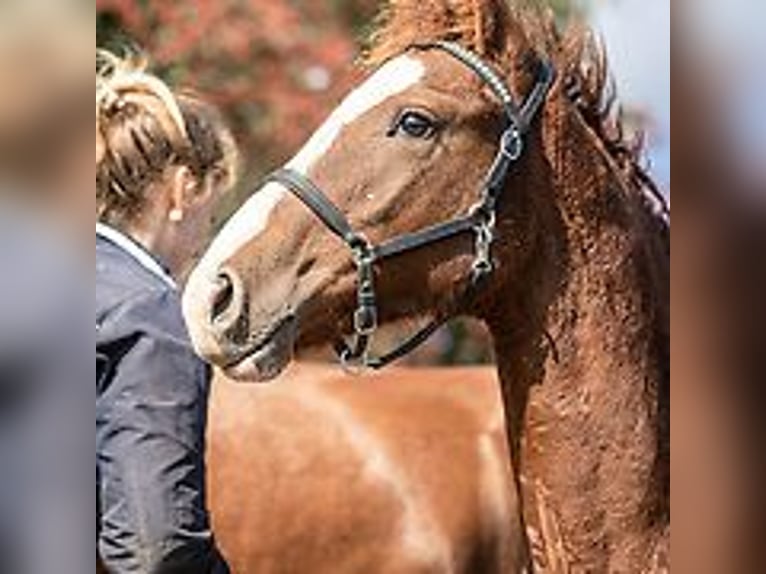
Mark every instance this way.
x=556 y=238
x=324 y=474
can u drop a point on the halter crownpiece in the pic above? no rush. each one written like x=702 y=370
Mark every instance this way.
x=480 y=219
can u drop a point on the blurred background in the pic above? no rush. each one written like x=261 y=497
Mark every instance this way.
x=278 y=67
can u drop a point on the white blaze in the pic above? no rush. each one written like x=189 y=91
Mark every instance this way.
x=391 y=79
x=252 y=218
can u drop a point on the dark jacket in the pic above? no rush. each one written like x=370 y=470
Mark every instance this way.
x=151 y=404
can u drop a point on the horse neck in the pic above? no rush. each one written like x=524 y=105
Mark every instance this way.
x=585 y=373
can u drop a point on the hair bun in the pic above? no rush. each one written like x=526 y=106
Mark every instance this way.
x=123 y=81
x=142 y=128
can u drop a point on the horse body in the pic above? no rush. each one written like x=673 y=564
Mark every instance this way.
x=577 y=300
x=402 y=472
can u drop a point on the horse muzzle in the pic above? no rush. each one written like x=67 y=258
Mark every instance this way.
x=218 y=314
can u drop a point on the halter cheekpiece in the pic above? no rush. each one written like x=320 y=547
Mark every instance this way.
x=479 y=221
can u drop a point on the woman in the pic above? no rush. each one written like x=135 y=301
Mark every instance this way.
x=161 y=162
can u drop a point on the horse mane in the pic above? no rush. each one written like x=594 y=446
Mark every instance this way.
x=506 y=33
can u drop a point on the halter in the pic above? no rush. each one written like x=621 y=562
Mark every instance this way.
x=479 y=221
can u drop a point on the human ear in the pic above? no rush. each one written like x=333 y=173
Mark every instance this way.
x=184 y=187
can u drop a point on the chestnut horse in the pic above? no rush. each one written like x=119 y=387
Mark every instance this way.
x=574 y=257
x=404 y=472
x=328 y=475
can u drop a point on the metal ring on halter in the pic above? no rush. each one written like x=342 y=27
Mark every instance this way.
x=512 y=144
x=366 y=314
x=485 y=237
x=354 y=366
x=366 y=321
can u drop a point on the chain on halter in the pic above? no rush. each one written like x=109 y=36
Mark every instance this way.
x=480 y=219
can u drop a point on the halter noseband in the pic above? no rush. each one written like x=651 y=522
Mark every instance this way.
x=480 y=219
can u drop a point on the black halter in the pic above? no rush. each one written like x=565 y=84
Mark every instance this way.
x=480 y=219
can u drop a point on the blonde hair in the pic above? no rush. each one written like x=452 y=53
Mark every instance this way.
x=143 y=128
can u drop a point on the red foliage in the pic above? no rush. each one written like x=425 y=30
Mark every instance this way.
x=274 y=66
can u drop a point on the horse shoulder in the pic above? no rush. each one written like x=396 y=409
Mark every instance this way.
x=405 y=471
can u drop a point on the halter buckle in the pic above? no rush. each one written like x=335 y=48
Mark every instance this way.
x=512 y=144
x=485 y=237
x=365 y=320
x=366 y=314
x=354 y=366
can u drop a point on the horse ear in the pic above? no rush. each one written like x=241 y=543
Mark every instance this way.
x=481 y=25
x=495 y=25
x=402 y=23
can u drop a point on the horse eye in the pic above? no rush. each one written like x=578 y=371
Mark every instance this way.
x=415 y=125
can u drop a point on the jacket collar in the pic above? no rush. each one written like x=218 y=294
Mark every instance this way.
x=136 y=251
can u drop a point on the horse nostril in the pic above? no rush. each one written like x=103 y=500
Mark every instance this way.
x=228 y=306
x=222 y=297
